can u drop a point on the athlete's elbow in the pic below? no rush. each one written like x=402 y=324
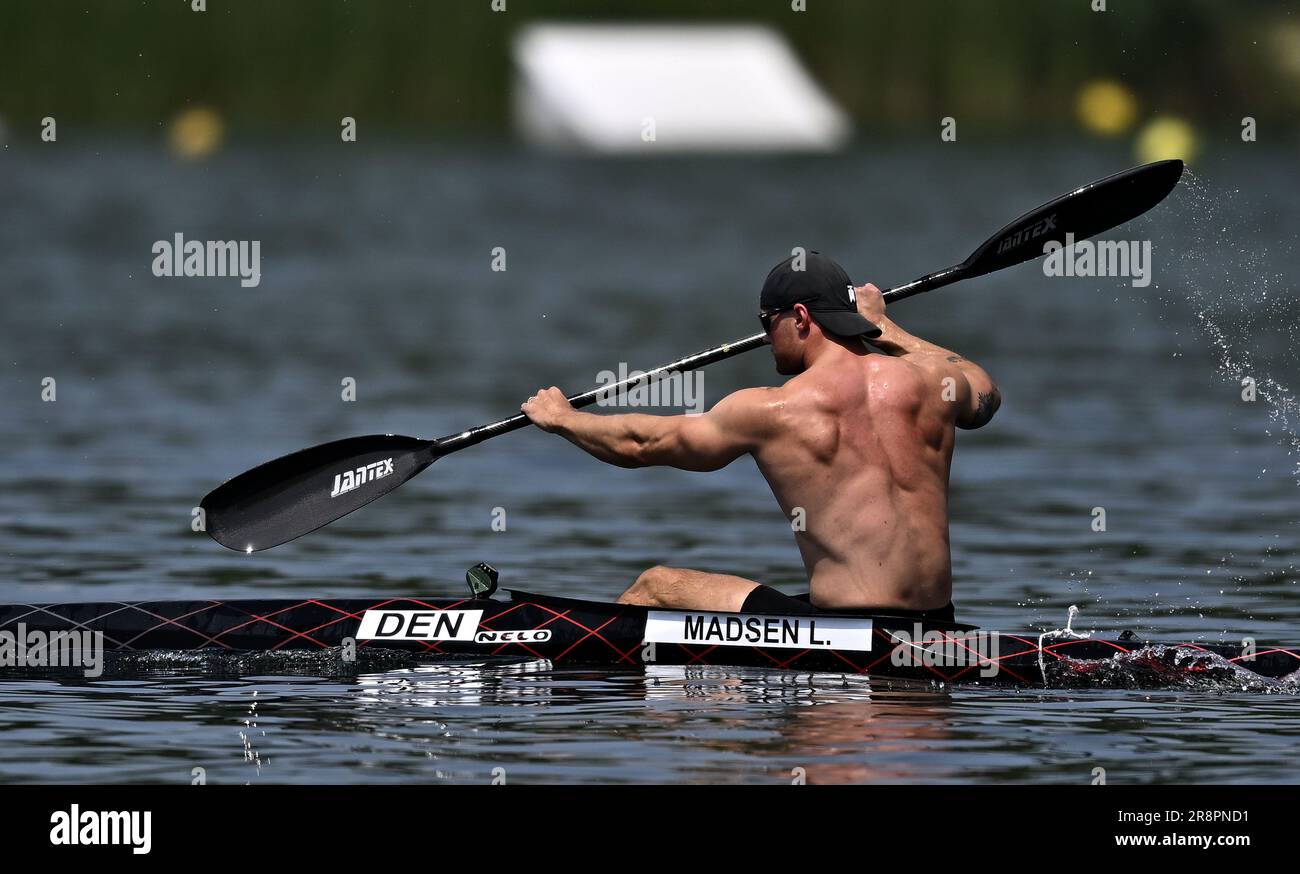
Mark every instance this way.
x=638 y=451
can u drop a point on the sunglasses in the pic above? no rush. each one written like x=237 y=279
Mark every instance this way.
x=765 y=317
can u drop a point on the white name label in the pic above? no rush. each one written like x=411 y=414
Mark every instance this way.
x=419 y=624
x=781 y=632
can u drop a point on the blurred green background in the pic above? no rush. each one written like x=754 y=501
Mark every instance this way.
x=1001 y=68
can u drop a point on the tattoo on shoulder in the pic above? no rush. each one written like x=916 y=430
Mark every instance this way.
x=955 y=358
x=989 y=403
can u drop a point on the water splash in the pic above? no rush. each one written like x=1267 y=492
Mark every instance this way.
x=1239 y=304
x=251 y=753
x=1161 y=666
x=1283 y=406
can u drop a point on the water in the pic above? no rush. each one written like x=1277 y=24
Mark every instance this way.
x=467 y=724
x=377 y=266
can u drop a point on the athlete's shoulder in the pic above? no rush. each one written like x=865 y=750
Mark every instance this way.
x=754 y=411
x=905 y=373
x=751 y=401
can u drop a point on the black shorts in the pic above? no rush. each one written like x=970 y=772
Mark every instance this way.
x=766 y=599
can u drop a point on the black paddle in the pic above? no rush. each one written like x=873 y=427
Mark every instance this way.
x=296 y=494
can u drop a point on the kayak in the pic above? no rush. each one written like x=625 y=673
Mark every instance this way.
x=572 y=631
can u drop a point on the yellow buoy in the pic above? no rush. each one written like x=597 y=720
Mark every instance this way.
x=196 y=133
x=1106 y=107
x=1167 y=137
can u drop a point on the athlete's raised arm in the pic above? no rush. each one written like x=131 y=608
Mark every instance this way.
x=973 y=390
x=735 y=425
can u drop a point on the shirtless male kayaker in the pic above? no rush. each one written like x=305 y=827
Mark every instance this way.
x=858 y=442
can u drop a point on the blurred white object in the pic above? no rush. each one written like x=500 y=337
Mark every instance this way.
x=647 y=88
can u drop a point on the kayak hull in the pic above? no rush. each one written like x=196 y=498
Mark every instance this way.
x=571 y=631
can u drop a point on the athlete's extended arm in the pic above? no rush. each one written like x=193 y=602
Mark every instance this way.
x=710 y=441
x=977 y=396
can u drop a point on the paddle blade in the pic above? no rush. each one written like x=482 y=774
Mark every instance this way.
x=1084 y=212
x=298 y=493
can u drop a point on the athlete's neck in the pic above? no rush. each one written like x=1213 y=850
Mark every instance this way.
x=826 y=348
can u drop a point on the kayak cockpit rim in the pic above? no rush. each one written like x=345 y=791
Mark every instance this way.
x=880 y=617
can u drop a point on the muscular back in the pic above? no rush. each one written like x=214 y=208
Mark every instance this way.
x=858 y=446
x=863 y=445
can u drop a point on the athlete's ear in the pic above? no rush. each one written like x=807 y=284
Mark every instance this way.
x=802 y=319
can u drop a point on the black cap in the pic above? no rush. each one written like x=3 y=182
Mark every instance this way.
x=823 y=287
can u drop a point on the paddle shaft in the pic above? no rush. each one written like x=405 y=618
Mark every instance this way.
x=473 y=436
x=1085 y=211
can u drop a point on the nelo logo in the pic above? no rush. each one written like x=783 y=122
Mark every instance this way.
x=355 y=479
x=530 y=635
